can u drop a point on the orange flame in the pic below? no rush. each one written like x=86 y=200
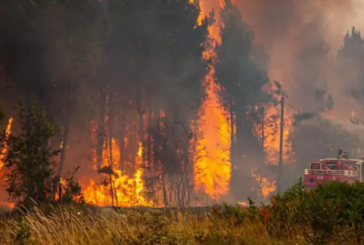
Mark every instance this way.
x=124 y=190
x=271 y=131
x=62 y=182
x=5 y=148
x=212 y=168
x=244 y=204
x=10 y=205
x=266 y=187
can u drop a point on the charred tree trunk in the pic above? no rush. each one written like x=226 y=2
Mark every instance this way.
x=101 y=130
x=65 y=138
x=170 y=194
x=148 y=132
x=178 y=193
x=101 y=137
x=262 y=132
x=165 y=199
x=186 y=179
x=240 y=136
x=156 y=139
x=111 y=120
x=150 y=139
x=240 y=153
x=141 y=121
x=121 y=129
x=232 y=134
x=64 y=144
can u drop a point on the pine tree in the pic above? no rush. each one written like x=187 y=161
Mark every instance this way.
x=31 y=160
x=349 y=69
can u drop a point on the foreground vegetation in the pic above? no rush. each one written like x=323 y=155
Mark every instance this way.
x=135 y=227
x=331 y=214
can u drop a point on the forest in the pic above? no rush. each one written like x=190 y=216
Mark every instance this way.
x=159 y=103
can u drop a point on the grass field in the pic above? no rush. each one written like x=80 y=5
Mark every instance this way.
x=332 y=214
x=106 y=226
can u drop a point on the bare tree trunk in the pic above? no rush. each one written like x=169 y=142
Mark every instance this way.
x=65 y=139
x=65 y=133
x=102 y=17
x=64 y=144
x=141 y=121
x=263 y=133
x=232 y=134
x=178 y=193
x=111 y=120
x=101 y=129
x=170 y=194
x=186 y=180
x=156 y=139
x=148 y=129
x=183 y=193
x=164 y=191
x=121 y=129
x=116 y=196
x=150 y=138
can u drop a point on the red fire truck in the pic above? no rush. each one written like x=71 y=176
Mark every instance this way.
x=340 y=169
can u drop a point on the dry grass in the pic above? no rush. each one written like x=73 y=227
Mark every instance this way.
x=75 y=226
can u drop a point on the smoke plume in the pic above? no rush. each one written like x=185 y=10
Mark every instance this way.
x=297 y=35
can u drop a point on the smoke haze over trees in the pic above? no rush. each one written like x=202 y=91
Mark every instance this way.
x=120 y=74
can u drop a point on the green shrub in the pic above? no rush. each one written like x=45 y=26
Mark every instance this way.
x=332 y=212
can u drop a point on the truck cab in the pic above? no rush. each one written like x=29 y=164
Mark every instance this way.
x=333 y=169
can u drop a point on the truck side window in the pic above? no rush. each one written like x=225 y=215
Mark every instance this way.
x=315 y=165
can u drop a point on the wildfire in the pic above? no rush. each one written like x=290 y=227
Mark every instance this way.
x=266 y=187
x=2 y=158
x=5 y=148
x=118 y=188
x=269 y=133
x=62 y=182
x=10 y=205
x=244 y=204
x=212 y=168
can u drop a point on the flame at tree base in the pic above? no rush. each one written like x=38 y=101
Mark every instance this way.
x=119 y=188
